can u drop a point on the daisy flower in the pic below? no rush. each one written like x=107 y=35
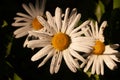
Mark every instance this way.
x=102 y=53
x=28 y=22
x=62 y=39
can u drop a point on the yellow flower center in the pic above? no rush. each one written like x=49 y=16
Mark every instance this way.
x=36 y=24
x=60 y=41
x=99 y=48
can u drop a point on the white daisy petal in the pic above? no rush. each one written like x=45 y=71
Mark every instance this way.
x=93 y=29
x=87 y=33
x=114 y=46
x=102 y=27
x=98 y=66
x=38 y=43
x=21 y=20
x=42 y=35
x=50 y=54
x=101 y=65
x=42 y=7
x=65 y=22
x=80 y=27
x=109 y=50
x=72 y=60
x=51 y=20
x=94 y=64
x=109 y=62
x=37 y=6
x=20 y=24
x=20 y=30
x=70 y=66
x=76 y=55
x=77 y=34
x=28 y=10
x=32 y=8
x=58 y=15
x=24 y=15
x=44 y=23
x=80 y=47
x=96 y=29
x=72 y=16
x=26 y=41
x=73 y=24
x=58 y=63
x=21 y=34
x=53 y=62
x=83 y=39
x=114 y=57
x=44 y=51
x=89 y=63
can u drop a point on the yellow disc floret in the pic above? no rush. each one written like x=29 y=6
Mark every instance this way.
x=36 y=24
x=60 y=41
x=99 y=48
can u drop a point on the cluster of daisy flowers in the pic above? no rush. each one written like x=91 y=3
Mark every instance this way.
x=60 y=37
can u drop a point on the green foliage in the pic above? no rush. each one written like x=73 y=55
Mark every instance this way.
x=116 y=4
x=100 y=10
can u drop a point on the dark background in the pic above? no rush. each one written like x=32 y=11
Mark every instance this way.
x=19 y=57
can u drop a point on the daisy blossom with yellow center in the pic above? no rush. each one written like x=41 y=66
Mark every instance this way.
x=62 y=39
x=102 y=53
x=28 y=22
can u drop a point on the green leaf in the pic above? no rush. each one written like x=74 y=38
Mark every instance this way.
x=16 y=77
x=100 y=10
x=89 y=73
x=8 y=49
x=97 y=77
x=4 y=24
x=116 y=4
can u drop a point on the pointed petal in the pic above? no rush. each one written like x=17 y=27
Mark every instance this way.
x=80 y=27
x=114 y=46
x=109 y=50
x=50 y=54
x=32 y=9
x=94 y=64
x=65 y=21
x=53 y=62
x=42 y=7
x=23 y=24
x=22 y=30
x=72 y=16
x=89 y=63
x=76 y=55
x=73 y=24
x=82 y=47
x=102 y=27
x=21 y=34
x=22 y=20
x=41 y=53
x=115 y=58
x=109 y=62
x=58 y=16
x=73 y=62
x=68 y=63
x=101 y=65
x=28 y=10
x=51 y=21
x=38 y=43
x=98 y=66
x=96 y=29
x=58 y=63
x=24 y=15
x=44 y=23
